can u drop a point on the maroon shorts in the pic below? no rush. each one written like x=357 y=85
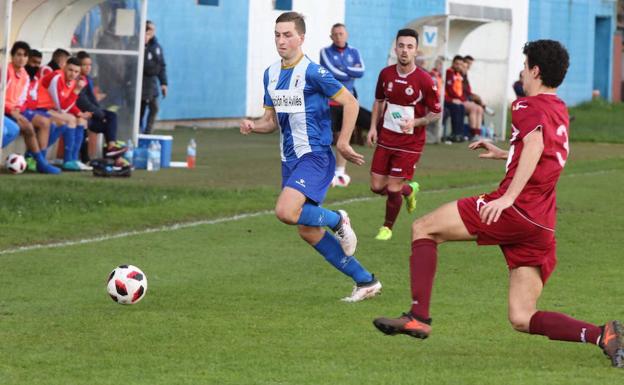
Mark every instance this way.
x=523 y=242
x=394 y=163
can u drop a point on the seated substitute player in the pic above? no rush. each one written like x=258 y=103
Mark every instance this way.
x=57 y=94
x=519 y=216
x=102 y=121
x=295 y=98
x=406 y=101
x=30 y=122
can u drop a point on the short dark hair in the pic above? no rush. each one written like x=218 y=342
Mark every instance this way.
x=73 y=61
x=149 y=24
x=458 y=57
x=82 y=55
x=468 y=58
x=338 y=25
x=35 y=53
x=20 y=45
x=296 y=18
x=59 y=52
x=552 y=59
x=407 y=32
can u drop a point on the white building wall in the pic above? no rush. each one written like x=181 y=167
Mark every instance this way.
x=320 y=15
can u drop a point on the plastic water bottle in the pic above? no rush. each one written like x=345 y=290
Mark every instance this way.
x=129 y=155
x=157 y=156
x=153 y=156
x=191 y=152
x=490 y=130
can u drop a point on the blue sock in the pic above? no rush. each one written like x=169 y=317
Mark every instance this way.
x=78 y=137
x=55 y=133
x=312 y=215
x=68 y=140
x=329 y=247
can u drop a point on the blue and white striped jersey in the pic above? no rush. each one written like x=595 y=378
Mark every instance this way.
x=299 y=94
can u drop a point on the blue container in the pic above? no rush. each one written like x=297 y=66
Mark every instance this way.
x=166 y=142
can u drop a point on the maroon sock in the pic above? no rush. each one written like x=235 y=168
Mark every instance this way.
x=406 y=190
x=560 y=327
x=393 y=206
x=423 y=263
x=476 y=131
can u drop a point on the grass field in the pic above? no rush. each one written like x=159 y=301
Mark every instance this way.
x=246 y=302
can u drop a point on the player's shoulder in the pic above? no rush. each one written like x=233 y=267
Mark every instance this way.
x=315 y=70
x=526 y=105
x=388 y=70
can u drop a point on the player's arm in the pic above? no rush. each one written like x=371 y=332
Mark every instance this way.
x=420 y=122
x=492 y=152
x=265 y=125
x=533 y=146
x=350 y=110
x=378 y=105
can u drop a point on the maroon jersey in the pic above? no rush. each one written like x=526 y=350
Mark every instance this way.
x=407 y=96
x=537 y=201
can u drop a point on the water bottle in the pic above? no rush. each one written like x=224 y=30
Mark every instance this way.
x=157 y=156
x=129 y=155
x=151 y=155
x=191 y=152
x=490 y=130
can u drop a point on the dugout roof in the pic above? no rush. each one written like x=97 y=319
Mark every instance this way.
x=111 y=31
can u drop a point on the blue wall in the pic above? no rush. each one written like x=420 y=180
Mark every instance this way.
x=574 y=24
x=206 y=53
x=373 y=26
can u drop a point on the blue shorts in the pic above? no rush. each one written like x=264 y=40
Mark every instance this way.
x=311 y=174
x=10 y=132
x=30 y=114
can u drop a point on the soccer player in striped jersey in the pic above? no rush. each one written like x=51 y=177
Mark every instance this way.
x=296 y=93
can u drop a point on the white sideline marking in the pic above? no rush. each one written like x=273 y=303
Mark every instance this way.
x=232 y=218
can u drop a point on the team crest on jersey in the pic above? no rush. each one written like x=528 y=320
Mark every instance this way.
x=519 y=105
x=409 y=91
x=297 y=79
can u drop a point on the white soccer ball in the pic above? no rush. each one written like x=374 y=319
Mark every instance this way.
x=15 y=163
x=127 y=284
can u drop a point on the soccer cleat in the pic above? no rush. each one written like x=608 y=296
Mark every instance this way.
x=384 y=234
x=345 y=234
x=405 y=324
x=31 y=164
x=410 y=200
x=612 y=342
x=83 y=167
x=116 y=149
x=362 y=291
x=71 y=165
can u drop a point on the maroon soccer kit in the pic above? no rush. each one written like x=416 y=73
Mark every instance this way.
x=407 y=96
x=526 y=230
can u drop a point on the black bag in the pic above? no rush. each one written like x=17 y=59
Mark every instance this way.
x=106 y=167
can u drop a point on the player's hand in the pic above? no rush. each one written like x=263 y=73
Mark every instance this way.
x=491 y=211
x=407 y=125
x=81 y=84
x=492 y=152
x=246 y=126
x=371 y=138
x=163 y=89
x=349 y=153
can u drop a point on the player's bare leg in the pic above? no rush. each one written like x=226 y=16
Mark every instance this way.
x=441 y=225
x=525 y=287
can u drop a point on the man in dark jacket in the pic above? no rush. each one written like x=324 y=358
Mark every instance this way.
x=154 y=72
x=102 y=121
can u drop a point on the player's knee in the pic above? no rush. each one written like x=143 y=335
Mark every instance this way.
x=286 y=215
x=520 y=320
x=421 y=228
x=27 y=130
x=378 y=190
